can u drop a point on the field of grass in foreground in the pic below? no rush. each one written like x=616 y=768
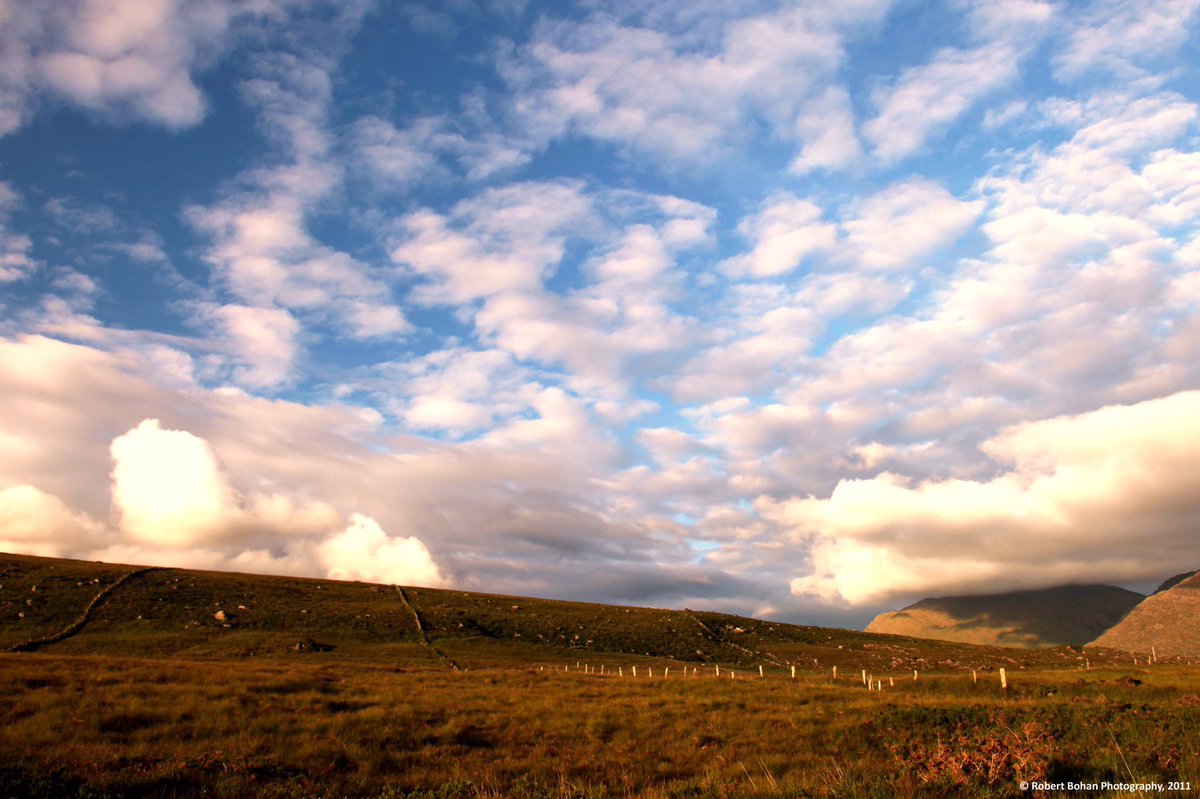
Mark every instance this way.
x=86 y=725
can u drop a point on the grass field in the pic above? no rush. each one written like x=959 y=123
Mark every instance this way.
x=154 y=697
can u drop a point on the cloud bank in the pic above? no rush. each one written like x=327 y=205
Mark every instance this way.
x=780 y=308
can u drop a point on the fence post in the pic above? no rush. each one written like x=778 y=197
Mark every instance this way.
x=793 y=672
x=864 y=676
x=835 y=672
x=718 y=670
x=914 y=675
x=1003 y=679
x=635 y=671
x=974 y=677
x=760 y=673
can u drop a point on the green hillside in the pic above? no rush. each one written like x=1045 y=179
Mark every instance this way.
x=124 y=682
x=162 y=612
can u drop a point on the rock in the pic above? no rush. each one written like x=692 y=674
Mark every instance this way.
x=309 y=645
x=220 y=615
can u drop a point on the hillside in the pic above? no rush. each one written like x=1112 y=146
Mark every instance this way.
x=162 y=612
x=1067 y=615
x=130 y=682
x=1166 y=623
x=1171 y=582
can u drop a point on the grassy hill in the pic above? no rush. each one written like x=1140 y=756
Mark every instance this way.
x=1070 y=615
x=197 y=614
x=122 y=681
x=1166 y=623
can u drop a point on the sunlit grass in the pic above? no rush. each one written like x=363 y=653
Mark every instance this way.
x=117 y=727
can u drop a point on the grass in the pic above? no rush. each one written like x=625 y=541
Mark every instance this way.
x=156 y=697
x=102 y=726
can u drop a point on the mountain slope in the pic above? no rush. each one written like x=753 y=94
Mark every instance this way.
x=1066 y=615
x=1167 y=622
x=1171 y=582
x=70 y=607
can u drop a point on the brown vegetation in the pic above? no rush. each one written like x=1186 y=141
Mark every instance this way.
x=189 y=683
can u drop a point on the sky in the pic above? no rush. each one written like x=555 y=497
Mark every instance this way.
x=803 y=310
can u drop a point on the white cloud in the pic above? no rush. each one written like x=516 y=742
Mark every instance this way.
x=927 y=98
x=115 y=58
x=902 y=223
x=15 y=261
x=261 y=342
x=507 y=239
x=400 y=159
x=1109 y=495
x=825 y=125
x=170 y=491
x=261 y=249
x=502 y=247
x=363 y=551
x=783 y=234
x=685 y=99
x=519 y=508
x=1125 y=36
x=37 y=523
x=168 y=488
x=457 y=390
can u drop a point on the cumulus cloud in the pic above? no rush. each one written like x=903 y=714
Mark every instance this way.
x=1126 y=36
x=905 y=221
x=260 y=342
x=15 y=260
x=37 y=523
x=506 y=239
x=169 y=490
x=925 y=99
x=363 y=551
x=501 y=248
x=261 y=248
x=1108 y=495
x=783 y=234
x=457 y=390
x=651 y=87
x=118 y=59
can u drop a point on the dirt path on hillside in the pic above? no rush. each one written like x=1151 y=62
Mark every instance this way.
x=720 y=640
x=421 y=629
x=81 y=621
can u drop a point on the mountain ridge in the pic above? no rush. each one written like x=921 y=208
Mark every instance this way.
x=1164 y=623
x=1067 y=615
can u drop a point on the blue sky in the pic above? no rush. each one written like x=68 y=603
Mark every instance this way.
x=795 y=309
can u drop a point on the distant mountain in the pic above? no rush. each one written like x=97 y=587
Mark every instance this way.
x=1167 y=622
x=1069 y=614
x=1171 y=582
